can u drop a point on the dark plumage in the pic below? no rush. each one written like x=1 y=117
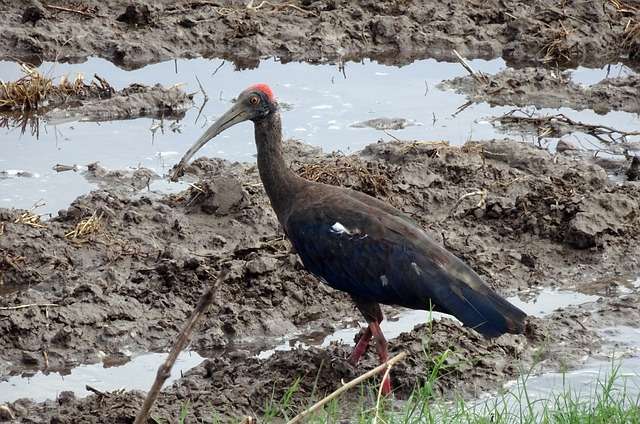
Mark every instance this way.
x=361 y=245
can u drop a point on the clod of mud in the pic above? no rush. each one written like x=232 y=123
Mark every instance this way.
x=550 y=89
x=33 y=13
x=35 y=96
x=15 y=173
x=633 y=173
x=134 y=101
x=136 y=15
x=129 y=181
x=328 y=30
x=382 y=124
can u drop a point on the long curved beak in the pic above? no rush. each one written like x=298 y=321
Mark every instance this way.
x=231 y=117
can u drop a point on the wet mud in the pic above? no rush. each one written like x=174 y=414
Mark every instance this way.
x=549 y=88
x=118 y=271
x=322 y=30
x=134 y=101
x=98 y=105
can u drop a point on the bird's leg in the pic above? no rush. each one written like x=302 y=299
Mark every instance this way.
x=361 y=347
x=383 y=353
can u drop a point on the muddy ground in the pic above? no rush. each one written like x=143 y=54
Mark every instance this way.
x=547 y=31
x=124 y=267
x=550 y=88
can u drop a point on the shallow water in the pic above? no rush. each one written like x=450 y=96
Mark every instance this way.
x=619 y=357
x=621 y=339
x=549 y=300
x=321 y=104
x=138 y=374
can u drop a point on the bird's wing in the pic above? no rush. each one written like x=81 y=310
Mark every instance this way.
x=381 y=257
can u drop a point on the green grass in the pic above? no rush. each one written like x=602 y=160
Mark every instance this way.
x=608 y=402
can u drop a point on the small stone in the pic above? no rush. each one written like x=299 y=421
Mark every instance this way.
x=28 y=358
x=33 y=13
x=261 y=265
x=633 y=173
x=187 y=23
x=564 y=146
x=191 y=263
x=528 y=260
x=136 y=15
x=66 y=397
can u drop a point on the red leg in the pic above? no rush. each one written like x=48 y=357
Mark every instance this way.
x=383 y=353
x=361 y=347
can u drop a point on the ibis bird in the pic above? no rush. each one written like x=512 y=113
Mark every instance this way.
x=359 y=244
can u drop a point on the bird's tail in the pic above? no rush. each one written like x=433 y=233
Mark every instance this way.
x=489 y=313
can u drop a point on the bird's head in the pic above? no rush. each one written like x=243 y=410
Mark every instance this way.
x=253 y=104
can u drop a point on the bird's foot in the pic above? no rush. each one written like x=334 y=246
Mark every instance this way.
x=386 y=386
x=361 y=347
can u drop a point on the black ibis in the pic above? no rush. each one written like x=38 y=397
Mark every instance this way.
x=358 y=244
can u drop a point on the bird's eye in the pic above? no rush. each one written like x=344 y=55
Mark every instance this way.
x=254 y=100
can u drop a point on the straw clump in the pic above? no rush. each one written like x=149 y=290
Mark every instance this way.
x=35 y=90
x=86 y=227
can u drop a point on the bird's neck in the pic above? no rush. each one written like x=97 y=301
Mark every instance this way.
x=279 y=181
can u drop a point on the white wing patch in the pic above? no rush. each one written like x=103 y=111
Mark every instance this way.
x=338 y=228
x=384 y=280
x=416 y=268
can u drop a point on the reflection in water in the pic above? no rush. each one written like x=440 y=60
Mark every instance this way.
x=395 y=324
x=549 y=300
x=137 y=374
x=582 y=385
x=321 y=107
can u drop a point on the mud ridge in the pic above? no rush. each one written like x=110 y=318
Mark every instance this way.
x=550 y=89
x=395 y=32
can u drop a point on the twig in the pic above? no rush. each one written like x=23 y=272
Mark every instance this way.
x=206 y=99
x=481 y=193
x=218 y=68
x=298 y=418
x=478 y=76
x=66 y=9
x=392 y=136
x=605 y=134
x=204 y=93
x=7 y=412
x=384 y=378
x=96 y=391
x=164 y=371
x=250 y=6
x=29 y=305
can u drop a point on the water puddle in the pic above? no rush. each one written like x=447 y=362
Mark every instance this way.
x=322 y=104
x=589 y=76
x=395 y=324
x=549 y=300
x=550 y=389
x=137 y=374
x=620 y=358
